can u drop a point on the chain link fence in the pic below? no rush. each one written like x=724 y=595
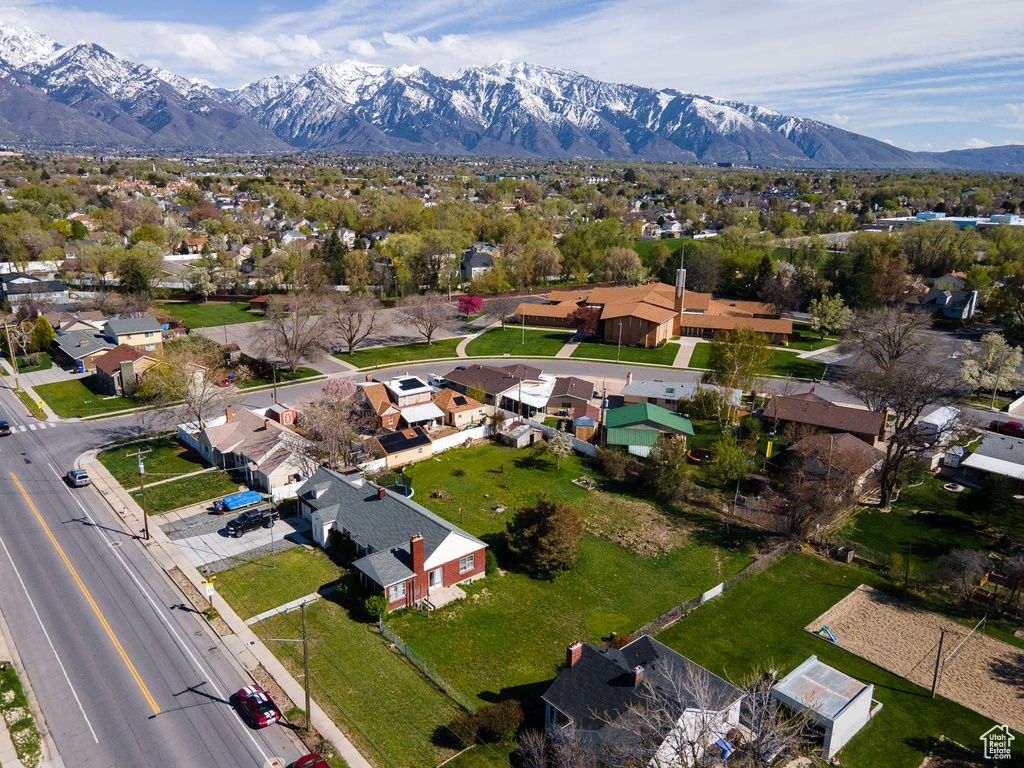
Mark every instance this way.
x=421 y=664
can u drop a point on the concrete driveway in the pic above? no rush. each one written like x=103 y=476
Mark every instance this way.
x=211 y=545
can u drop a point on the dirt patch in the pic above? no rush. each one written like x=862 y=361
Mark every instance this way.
x=636 y=525
x=199 y=601
x=264 y=678
x=983 y=674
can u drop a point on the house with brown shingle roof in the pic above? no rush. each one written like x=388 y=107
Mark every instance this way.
x=459 y=410
x=568 y=393
x=812 y=410
x=121 y=369
x=373 y=401
x=273 y=458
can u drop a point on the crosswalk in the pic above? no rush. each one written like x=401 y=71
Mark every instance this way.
x=31 y=427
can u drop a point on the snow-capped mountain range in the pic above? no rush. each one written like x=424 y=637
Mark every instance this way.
x=84 y=96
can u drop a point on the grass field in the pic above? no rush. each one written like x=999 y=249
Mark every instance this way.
x=384 y=703
x=401 y=353
x=211 y=313
x=479 y=644
x=45 y=363
x=665 y=355
x=759 y=624
x=68 y=398
x=266 y=377
x=168 y=459
x=809 y=339
x=643 y=247
x=497 y=342
x=189 y=490
x=781 y=363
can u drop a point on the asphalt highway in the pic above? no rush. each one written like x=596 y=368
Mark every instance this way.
x=124 y=673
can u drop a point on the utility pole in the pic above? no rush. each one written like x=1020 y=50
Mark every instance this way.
x=274 y=369
x=305 y=669
x=938 y=661
x=14 y=356
x=142 y=485
x=618 y=349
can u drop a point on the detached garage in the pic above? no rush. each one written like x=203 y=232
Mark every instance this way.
x=831 y=699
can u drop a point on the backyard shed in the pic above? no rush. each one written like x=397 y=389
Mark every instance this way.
x=281 y=413
x=833 y=700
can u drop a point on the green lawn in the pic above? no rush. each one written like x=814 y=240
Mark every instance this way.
x=479 y=644
x=211 y=313
x=402 y=353
x=266 y=377
x=665 y=355
x=759 y=624
x=383 y=702
x=497 y=342
x=809 y=339
x=260 y=585
x=30 y=403
x=44 y=364
x=643 y=247
x=68 y=399
x=168 y=459
x=189 y=490
x=781 y=363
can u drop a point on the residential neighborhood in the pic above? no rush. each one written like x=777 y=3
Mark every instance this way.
x=610 y=473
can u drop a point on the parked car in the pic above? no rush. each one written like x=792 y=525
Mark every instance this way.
x=1012 y=428
x=310 y=761
x=263 y=517
x=78 y=477
x=5 y=428
x=257 y=706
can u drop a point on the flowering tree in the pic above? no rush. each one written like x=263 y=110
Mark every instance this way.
x=470 y=305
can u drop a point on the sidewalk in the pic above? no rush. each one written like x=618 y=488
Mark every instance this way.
x=244 y=645
x=686 y=347
x=460 y=348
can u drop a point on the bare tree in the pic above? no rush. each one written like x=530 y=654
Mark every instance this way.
x=330 y=422
x=962 y=569
x=500 y=307
x=903 y=390
x=428 y=313
x=354 y=317
x=888 y=335
x=291 y=331
x=192 y=379
x=780 y=293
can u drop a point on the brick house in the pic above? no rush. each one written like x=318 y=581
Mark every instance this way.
x=403 y=549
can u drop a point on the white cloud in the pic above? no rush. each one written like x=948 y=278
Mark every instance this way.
x=362 y=48
x=1015 y=118
x=835 y=119
x=977 y=144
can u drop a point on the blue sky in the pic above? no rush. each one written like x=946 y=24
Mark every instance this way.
x=938 y=75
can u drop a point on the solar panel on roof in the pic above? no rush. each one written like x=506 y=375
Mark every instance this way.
x=460 y=400
x=405 y=384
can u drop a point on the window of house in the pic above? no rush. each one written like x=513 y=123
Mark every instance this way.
x=150 y=334
x=419 y=450
x=150 y=347
x=467 y=563
x=396 y=592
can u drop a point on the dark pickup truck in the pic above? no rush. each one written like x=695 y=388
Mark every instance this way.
x=263 y=517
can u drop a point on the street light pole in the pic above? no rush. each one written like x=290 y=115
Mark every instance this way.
x=618 y=349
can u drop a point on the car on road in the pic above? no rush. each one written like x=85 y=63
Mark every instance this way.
x=257 y=706
x=77 y=478
x=5 y=428
x=310 y=761
x=1012 y=428
x=263 y=517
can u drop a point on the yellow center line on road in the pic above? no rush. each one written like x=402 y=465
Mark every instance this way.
x=88 y=597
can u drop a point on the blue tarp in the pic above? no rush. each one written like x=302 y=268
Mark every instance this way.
x=725 y=746
x=239 y=500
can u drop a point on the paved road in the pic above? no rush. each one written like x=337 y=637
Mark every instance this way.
x=123 y=675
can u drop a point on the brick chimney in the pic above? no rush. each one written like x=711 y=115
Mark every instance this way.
x=369 y=377
x=573 y=652
x=638 y=675
x=416 y=550
x=266 y=423
x=380 y=491
x=228 y=413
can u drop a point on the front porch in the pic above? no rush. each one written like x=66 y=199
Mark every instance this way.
x=441 y=596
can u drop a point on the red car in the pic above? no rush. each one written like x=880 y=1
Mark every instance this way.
x=310 y=761
x=257 y=706
x=1012 y=428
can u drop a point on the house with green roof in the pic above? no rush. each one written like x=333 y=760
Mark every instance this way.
x=637 y=427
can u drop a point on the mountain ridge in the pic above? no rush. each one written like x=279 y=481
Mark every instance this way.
x=83 y=95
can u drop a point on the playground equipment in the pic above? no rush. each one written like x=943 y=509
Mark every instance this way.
x=827 y=633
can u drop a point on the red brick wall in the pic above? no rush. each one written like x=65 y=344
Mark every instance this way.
x=451 y=569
